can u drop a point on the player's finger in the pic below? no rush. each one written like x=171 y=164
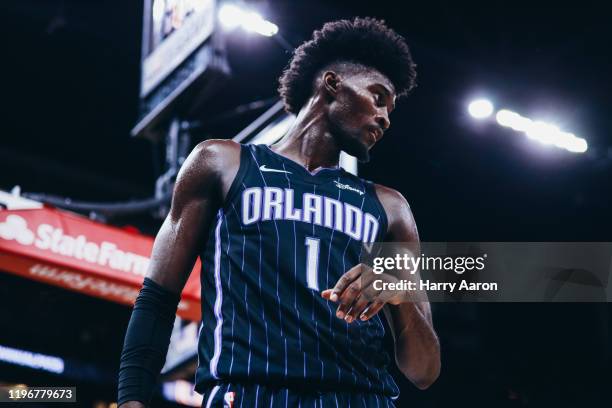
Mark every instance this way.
x=344 y=281
x=347 y=298
x=326 y=294
x=386 y=296
x=371 y=310
x=369 y=291
x=357 y=309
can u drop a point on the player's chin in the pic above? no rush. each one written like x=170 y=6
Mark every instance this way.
x=364 y=153
x=359 y=149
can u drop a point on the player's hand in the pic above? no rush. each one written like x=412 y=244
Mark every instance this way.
x=357 y=297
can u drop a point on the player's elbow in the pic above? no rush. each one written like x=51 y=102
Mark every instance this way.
x=425 y=375
x=422 y=369
x=425 y=380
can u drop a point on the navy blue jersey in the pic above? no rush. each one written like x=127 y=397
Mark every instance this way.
x=283 y=235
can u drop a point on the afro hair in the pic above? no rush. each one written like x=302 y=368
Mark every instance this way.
x=366 y=41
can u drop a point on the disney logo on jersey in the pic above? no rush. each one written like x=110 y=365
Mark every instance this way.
x=348 y=187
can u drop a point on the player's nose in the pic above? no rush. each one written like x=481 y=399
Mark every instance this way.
x=382 y=119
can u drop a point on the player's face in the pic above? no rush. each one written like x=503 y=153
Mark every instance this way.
x=360 y=111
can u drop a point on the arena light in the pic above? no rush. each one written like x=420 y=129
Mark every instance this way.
x=542 y=132
x=578 y=145
x=480 y=108
x=30 y=359
x=232 y=16
x=512 y=120
x=255 y=23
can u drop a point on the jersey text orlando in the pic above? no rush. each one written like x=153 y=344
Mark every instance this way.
x=273 y=203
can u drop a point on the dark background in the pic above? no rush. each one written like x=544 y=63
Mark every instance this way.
x=71 y=77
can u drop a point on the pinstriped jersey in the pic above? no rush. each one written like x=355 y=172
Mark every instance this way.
x=283 y=235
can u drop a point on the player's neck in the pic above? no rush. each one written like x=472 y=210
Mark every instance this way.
x=309 y=141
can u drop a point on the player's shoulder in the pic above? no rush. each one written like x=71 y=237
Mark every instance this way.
x=214 y=148
x=389 y=196
x=215 y=155
x=402 y=226
x=208 y=162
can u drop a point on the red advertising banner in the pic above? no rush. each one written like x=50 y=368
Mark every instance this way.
x=67 y=250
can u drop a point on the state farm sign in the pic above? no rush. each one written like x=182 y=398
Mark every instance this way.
x=71 y=251
x=50 y=238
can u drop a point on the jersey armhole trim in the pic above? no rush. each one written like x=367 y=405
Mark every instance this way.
x=384 y=221
x=242 y=169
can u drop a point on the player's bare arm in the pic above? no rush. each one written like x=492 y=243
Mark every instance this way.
x=417 y=349
x=200 y=188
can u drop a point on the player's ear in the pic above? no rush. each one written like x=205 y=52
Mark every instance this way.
x=331 y=83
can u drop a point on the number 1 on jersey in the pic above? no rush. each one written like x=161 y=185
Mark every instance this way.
x=312 y=262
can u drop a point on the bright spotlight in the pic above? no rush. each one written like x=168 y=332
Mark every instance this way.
x=542 y=132
x=513 y=120
x=505 y=117
x=480 y=108
x=232 y=16
x=254 y=22
x=564 y=140
x=577 y=145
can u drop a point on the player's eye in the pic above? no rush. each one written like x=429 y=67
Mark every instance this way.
x=379 y=99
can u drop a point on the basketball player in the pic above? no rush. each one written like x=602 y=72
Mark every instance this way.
x=279 y=231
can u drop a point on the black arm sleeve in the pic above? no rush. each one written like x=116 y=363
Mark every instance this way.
x=146 y=342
